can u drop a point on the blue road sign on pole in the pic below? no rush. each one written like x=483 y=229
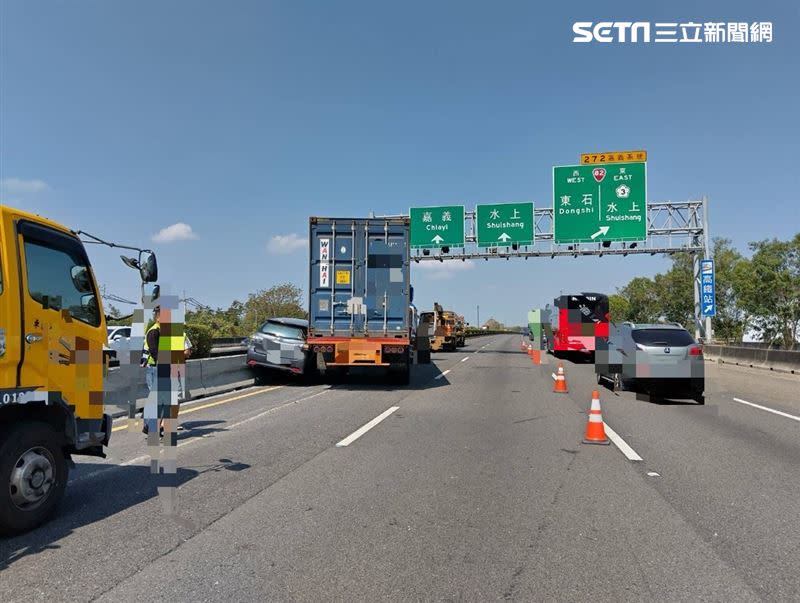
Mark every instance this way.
x=708 y=301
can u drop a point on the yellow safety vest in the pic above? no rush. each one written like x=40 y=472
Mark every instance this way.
x=172 y=343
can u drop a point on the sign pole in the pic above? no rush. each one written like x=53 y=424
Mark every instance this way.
x=698 y=320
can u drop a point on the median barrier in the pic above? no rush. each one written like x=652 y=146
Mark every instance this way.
x=785 y=361
x=222 y=374
x=204 y=377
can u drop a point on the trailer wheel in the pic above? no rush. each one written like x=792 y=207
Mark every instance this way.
x=33 y=475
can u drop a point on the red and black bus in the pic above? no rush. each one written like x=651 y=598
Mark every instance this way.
x=576 y=322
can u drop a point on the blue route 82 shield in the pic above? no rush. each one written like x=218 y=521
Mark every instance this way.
x=708 y=300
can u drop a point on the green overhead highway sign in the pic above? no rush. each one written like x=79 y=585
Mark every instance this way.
x=501 y=224
x=593 y=203
x=441 y=226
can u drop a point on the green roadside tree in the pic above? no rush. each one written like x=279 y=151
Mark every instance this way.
x=767 y=287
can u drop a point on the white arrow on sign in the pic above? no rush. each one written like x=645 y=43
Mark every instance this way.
x=603 y=230
x=504 y=237
x=708 y=308
x=437 y=239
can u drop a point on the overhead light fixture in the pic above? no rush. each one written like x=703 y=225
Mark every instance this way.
x=426 y=252
x=445 y=249
x=606 y=244
x=632 y=246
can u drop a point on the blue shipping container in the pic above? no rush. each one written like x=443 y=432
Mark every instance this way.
x=359 y=278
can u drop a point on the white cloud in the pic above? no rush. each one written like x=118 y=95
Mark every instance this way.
x=17 y=186
x=175 y=232
x=285 y=244
x=435 y=270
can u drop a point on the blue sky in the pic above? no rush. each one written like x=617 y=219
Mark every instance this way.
x=240 y=119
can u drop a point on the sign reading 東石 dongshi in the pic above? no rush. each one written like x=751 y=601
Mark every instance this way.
x=592 y=204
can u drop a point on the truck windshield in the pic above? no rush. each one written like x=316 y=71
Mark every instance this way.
x=666 y=337
x=58 y=277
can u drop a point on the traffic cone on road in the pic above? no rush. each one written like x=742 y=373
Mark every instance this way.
x=536 y=356
x=595 y=430
x=560 y=385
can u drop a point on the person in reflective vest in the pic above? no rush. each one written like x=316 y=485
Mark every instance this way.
x=158 y=375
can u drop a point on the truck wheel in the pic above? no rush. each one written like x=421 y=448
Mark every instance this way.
x=33 y=475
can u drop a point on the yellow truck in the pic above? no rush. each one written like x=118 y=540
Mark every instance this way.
x=52 y=333
x=442 y=326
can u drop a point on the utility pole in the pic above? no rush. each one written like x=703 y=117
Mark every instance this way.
x=479 y=317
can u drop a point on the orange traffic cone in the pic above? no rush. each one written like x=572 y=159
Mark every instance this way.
x=595 y=430
x=560 y=386
x=536 y=356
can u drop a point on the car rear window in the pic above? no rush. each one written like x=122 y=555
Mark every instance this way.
x=282 y=330
x=672 y=337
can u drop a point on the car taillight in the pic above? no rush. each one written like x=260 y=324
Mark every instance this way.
x=323 y=348
x=695 y=350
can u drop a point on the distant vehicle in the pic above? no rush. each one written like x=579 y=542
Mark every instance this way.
x=444 y=328
x=662 y=360
x=119 y=339
x=576 y=322
x=280 y=345
x=359 y=295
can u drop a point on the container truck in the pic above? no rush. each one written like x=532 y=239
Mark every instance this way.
x=359 y=295
x=52 y=368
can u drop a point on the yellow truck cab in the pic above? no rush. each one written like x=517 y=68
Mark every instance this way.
x=52 y=332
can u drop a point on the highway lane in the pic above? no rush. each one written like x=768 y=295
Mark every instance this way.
x=476 y=487
x=111 y=522
x=731 y=471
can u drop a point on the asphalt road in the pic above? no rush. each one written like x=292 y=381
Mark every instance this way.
x=473 y=486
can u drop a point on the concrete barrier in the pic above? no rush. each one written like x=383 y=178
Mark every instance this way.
x=204 y=377
x=785 y=361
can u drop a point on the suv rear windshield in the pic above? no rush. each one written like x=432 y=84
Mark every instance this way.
x=669 y=337
x=282 y=330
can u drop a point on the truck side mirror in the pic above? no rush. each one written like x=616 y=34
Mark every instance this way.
x=411 y=295
x=148 y=267
x=80 y=279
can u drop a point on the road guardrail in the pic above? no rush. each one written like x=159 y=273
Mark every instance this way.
x=785 y=361
x=204 y=377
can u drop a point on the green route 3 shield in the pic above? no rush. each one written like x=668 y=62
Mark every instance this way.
x=593 y=203
x=501 y=224
x=441 y=226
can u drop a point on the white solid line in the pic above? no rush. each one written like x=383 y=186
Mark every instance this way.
x=465 y=359
x=653 y=474
x=440 y=375
x=629 y=452
x=365 y=428
x=772 y=410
